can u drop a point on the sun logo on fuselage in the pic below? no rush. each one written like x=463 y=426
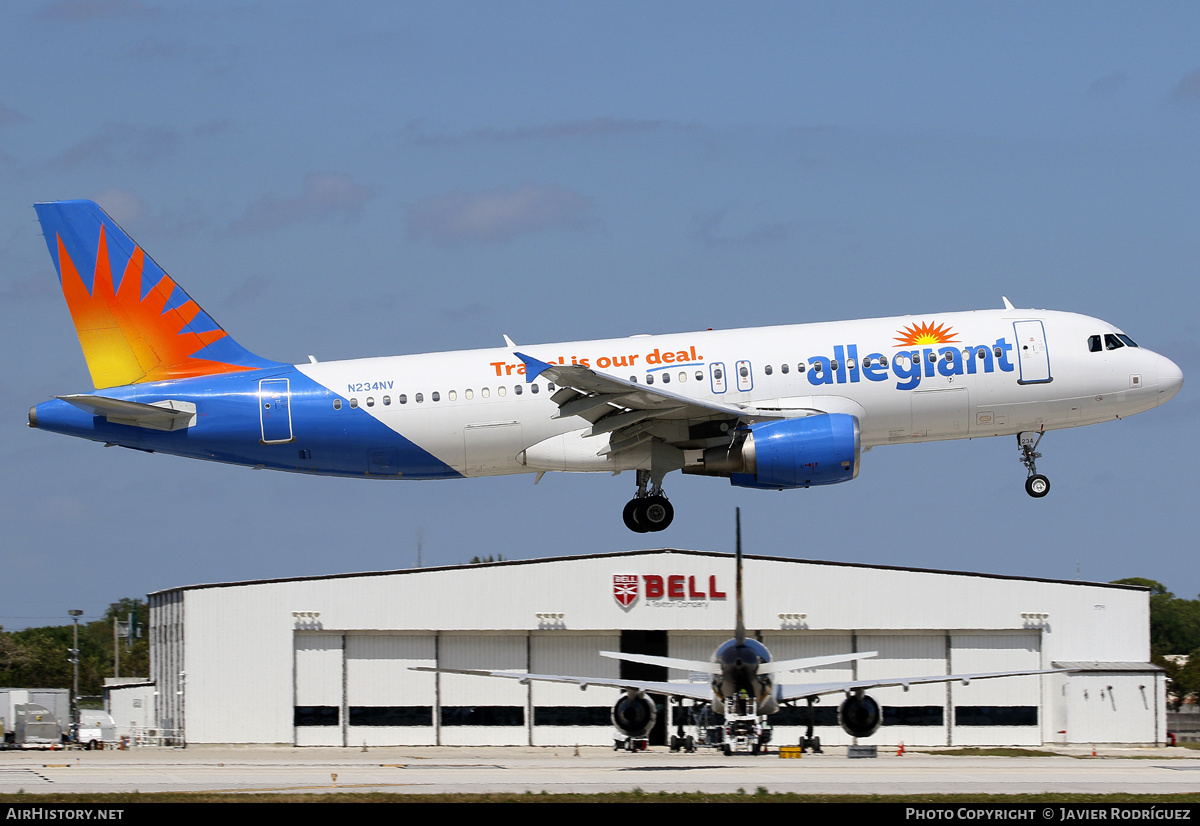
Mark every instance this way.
x=915 y=335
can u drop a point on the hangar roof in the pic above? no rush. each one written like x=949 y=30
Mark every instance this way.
x=630 y=554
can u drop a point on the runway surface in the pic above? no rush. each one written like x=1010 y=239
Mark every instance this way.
x=591 y=770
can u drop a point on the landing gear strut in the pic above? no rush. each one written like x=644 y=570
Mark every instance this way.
x=1036 y=485
x=648 y=511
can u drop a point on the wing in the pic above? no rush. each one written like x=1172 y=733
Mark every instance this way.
x=164 y=415
x=798 y=692
x=636 y=413
x=691 y=691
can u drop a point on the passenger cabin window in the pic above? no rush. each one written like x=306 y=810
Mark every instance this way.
x=354 y=402
x=533 y=388
x=666 y=378
x=784 y=368
x=518 y=389
x=469 y=393
x=337 y=404
x=402 y=398
x=420 y=397
x=370 y=401
x=387 y=400
x=452 y=395
x=436 y=396
x=485 y=392
x=768 y=370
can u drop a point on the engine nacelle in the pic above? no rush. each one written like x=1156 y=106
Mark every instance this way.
x=788 y=453
x=634 y=716
x=860 y=715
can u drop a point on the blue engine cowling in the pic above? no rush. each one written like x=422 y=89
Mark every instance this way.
x=798 y=453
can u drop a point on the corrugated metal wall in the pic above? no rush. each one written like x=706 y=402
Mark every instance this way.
x=328 y=659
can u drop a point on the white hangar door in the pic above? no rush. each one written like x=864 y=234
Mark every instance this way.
x=1009 y=711
x=483 y=711
x=386 y=703
x=317 y=712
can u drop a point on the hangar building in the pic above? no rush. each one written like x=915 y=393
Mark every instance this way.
x=325 y=661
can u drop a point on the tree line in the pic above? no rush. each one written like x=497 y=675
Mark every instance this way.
x=40 y=657
x=1174 y=629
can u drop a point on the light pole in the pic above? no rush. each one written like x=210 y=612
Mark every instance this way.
x=75 y=615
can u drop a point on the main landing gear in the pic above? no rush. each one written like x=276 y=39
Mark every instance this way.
x=1036 y=485
x=648 y=511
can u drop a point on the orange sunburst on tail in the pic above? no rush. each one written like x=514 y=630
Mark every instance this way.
x=128 y=339
x=923 y=333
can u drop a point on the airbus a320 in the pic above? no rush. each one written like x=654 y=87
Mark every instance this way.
x=770 y=407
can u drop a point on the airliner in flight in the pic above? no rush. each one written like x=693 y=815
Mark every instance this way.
x=769 y=407
x=742 y=686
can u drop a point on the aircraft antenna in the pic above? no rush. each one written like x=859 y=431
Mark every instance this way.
x=740 y=630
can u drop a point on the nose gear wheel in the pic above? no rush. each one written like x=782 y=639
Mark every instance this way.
x=1036 y=485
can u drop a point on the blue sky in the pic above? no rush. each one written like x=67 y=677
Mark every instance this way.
x=360 y=179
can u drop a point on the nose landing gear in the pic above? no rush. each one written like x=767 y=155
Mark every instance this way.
x=1036 y=485
x=648 y=511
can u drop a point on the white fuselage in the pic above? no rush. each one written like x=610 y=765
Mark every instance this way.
x=992 y=373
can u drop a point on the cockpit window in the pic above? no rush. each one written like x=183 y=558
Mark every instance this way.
x=1093 y=344
x=1130 y=342
x=1111 y=342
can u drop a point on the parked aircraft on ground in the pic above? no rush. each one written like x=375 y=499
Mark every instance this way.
x=742 y=688
x=770 y=407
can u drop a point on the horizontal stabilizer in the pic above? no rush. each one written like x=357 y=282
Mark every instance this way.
x=168 y=414
x=803 y=663
x=701 y=666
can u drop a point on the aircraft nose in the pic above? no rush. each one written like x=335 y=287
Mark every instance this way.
x=1170 y=379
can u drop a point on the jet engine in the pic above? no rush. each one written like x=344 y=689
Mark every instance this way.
x=787 y=453
x=860 y=715
x=634 y=716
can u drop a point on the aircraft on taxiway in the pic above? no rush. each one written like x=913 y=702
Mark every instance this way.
x=769 y=407
x=742 y=688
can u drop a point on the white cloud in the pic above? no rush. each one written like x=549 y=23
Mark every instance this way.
x=322 y=196
x=499 y=215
